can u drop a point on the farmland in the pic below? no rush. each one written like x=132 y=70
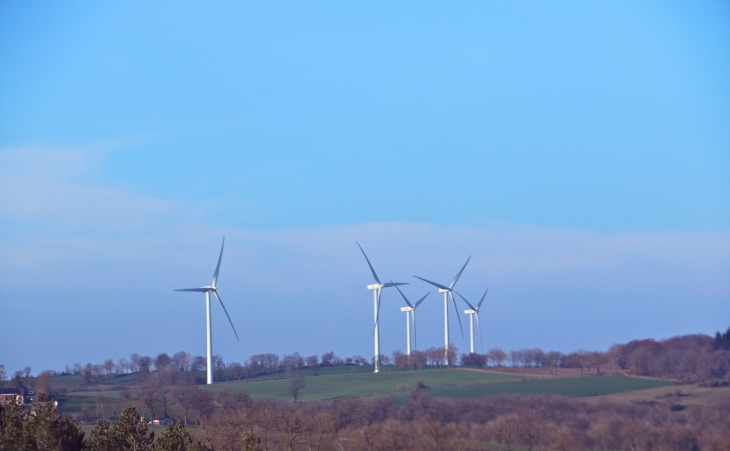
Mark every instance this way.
x=343 y=382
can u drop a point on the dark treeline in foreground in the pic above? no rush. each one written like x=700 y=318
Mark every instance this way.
x=532 y=422
x=43 y=429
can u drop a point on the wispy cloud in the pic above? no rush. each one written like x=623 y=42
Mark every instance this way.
x=47 y=186
x=304 y=289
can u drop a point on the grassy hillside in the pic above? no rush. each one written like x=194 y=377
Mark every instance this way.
x=574 y=387
x=366 y=384
x=456 y=383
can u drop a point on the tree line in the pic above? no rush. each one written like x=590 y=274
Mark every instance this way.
x=690 y=358
x=507 y=422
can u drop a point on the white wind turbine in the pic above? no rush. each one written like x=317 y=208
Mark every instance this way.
x=207 y=290
x=472 y=312
x=448 y=291
x=411 y=316
x=376 y=287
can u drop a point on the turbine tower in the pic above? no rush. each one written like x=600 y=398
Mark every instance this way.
x=448 y=291
x=472 y=312
x=376 y=287
x=209 y=338
x=410 y=316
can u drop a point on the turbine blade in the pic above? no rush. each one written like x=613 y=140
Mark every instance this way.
x=218 y=267
x=457 y=314
x=480 y=302
x=481 y=341
x=404 y=297
x=229 y=316
x=199 y=290
x=368 y=260
x=394 y=284
x=453 y=282
x=467 y=302
x=437 y=285
x=421 y=300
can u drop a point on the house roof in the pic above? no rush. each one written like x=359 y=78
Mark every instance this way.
x=10 y=391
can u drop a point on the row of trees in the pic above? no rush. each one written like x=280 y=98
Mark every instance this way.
x=537 y=358
x=690 y=357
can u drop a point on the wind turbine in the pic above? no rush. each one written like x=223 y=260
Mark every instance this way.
x=376 y=287
x=208 y=290
x=448 y=291
x=410 y=316
x=472 y=312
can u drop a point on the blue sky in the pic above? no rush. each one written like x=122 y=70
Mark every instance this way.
x=579 y=151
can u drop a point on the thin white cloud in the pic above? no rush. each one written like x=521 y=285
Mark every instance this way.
x=548 y=287
x=43 y=185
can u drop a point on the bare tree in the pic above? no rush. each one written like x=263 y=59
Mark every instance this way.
x=327 y=358
x=517 y=357
x=292 y=361
x=3 y=375
x=149 y=395
x=253 y=369
x=198 y=363
x=497 y=356
x=186 y=397
x=313 y=363
x=43 y=383
x=204 y=403
x=238 y=370
x=297 y=383
x=134 y=362
x=271 y=361
x=144 y=365
x=109 y=367
x=400 y=360
x=219 y=365
x=164 y=390
x=232 y=400
x=318 y=426
x=290 y=422
x=552 y=359
x=162 y=362
x=359 y=360
x=122 y=365
x=418 y=360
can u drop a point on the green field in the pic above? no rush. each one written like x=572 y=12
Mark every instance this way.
x=366 y=384
x=342 y=381
x=574 y=387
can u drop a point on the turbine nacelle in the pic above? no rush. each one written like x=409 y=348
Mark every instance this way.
x=407 y=309
x=375 y=286
x=470 y=312
x=207 y=289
